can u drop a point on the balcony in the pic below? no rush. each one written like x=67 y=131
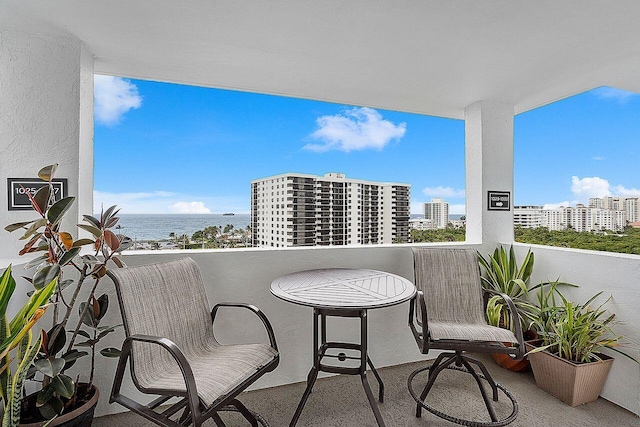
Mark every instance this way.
x=485 y=75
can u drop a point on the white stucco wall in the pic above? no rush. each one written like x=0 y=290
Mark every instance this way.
x=46 y=91
x=618 y=275
x=488 y=167
x=245 y=275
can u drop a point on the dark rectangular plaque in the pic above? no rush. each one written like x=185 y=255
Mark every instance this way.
x=499 y=200
x=18 y=188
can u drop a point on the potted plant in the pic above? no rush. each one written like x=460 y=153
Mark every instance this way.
x=18 y=348
x=567 y=361
x=61 y=395
x=502 y=275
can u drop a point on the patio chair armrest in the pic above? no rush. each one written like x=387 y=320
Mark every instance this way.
x=176 y=354
x=515 y=320
x=256 y=311
x=422 y=336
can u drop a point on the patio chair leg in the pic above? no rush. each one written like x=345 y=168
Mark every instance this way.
x=245 y=412
x=475 y=376
x=311 y=380
x=216 y=418
x=487 y=376
x=434 y=371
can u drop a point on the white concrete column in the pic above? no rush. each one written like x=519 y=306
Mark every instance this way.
x=46 y=116
x=489 y=167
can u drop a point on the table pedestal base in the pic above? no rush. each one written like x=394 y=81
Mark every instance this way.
x=319 y=352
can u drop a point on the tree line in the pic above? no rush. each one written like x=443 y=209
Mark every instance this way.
x=213 y=236
x=609 y=241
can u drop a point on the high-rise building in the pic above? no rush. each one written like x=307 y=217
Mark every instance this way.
x=309 y=210
x=580 y=217
x=437 y=211
x=527 y=216
x=631 y=206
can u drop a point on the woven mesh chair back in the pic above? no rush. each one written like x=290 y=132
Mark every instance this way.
x=450 y=280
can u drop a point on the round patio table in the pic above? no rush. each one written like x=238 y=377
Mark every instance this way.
x=342 y=292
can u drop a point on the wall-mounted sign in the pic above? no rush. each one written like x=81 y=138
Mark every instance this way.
x=499 y=200
x=19 y=187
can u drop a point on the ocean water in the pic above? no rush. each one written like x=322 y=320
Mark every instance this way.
x=158 y=227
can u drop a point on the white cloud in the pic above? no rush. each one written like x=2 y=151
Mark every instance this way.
x=598 y=158
x=552 y=206
x=113 y=97
x=619 y=190
x=622 y=96
x=189 y=208
x=444 y=192
x=164 y=202
x=355 y=129
x=588 y=187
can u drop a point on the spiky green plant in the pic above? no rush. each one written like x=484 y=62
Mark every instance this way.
x=575 y=332
x=501 y=274
x=17 y=344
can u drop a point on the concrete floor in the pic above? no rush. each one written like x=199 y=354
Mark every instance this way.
x=340 y=401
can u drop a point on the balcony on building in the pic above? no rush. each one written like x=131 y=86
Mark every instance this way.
x=481 y=63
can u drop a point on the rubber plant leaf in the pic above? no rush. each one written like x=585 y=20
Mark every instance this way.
x=47 y=172
x=16 y=226
x=44 y=275
x=59 y=208
x=50 y=367
x=40 y=200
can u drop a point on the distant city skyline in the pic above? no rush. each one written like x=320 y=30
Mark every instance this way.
x=167 y=148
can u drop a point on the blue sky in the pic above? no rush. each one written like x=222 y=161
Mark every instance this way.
x=165 y=148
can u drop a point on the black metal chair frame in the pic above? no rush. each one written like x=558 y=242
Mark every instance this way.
x=194 y=410
x=454 y=356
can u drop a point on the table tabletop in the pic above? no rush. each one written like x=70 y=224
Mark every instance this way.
x=343 y=288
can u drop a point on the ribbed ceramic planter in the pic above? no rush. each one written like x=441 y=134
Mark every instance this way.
x=570 y=382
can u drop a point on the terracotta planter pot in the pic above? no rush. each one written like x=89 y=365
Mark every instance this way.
x=570 y=382
x=79 y=417
x=505 y=361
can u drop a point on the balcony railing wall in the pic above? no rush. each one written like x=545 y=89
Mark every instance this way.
x=245 y=275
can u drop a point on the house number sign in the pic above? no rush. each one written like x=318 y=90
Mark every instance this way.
x=19 y=187
x=499 y=200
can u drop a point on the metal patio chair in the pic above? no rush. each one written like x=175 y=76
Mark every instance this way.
x=447 y=313
x=172 y=350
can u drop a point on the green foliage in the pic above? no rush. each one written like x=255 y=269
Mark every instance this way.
x=16 y=337
x=501 y=274
x=627 y=242
x=448 y=234
x=576 y=332
x=60 y=252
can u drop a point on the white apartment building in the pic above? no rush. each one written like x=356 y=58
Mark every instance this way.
x=631 y=207
x=437 y=211
x=580 y=217
x=309 y=210
x=528 y=216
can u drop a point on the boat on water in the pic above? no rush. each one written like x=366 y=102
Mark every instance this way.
x=228 y=214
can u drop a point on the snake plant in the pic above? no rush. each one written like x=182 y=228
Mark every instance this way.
x=18 y=344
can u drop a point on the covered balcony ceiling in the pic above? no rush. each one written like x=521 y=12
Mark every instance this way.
x=429 y=57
